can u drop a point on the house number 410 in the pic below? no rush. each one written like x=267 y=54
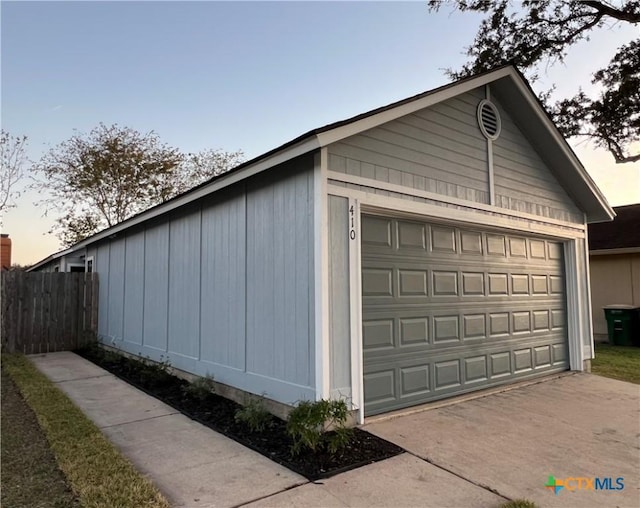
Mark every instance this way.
x=352 y=222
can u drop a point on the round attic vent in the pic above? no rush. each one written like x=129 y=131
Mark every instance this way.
x=489 y=119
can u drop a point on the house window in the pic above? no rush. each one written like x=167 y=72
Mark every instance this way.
x=89 y=265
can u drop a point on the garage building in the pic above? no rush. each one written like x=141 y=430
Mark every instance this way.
x=421 y=250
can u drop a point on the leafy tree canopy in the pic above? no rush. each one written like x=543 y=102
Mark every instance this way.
x=532 y=32
x=97 y=180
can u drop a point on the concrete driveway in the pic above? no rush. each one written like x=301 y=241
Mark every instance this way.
x=510 y=442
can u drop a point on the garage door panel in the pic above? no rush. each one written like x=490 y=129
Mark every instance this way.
x=447 y=310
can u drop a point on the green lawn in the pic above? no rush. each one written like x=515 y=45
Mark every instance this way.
x=618 y=362
x=94 y=470
x=30 y=473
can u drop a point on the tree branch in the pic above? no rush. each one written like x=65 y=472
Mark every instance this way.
x=612 y=12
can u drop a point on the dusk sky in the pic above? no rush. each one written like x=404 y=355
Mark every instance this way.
x=239 y=75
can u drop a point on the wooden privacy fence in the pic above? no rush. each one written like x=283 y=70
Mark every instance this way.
x=46 y=312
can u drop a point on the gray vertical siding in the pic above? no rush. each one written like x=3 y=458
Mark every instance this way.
x=339 y=300
x=134 y=288
x=222 y=281
x=184 y=285
x=116 y=289
x=156 y=286
x=279 y=278
x=224 y=287
x=101 y=265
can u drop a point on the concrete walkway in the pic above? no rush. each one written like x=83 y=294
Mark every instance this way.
x=197 y=467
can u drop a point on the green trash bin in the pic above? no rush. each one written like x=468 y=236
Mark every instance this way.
x=622 y=324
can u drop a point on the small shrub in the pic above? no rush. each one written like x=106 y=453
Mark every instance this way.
x=519 y=503
x=254 y=415
x=201 y=388
x=309 y=424
x=156 y=372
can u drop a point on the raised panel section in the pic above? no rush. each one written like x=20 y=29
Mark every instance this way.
x=376 y=282
x=555 y=250
x=379 y=386
x=539 y=284
x=445 y=283
x=558 y=319
x=414 y=331
x=474 y=326
x=443 y=239
x=376 y=231
x=540 y=320
x=411 y=235
x=413 y=282
x=475 y=369
x=414 y=380
x=522 y=360
x=499 y=323
x=518 y=247
x=445 y=328
x=521 y=322
x=496 y=245
x=472 y=284
x=470 y=242
x=500 y=364
x=447 y=374
x=537 y=249
x=498 y=284
x=520 y=284
x=377 y=334
x=557 y=284
x=559 y=353
x=542 y=356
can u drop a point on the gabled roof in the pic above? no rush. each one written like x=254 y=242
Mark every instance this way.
x=622 y=233
x=507 y=83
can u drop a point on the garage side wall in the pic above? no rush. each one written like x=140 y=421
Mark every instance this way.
x=224 y=287
x=339 y=298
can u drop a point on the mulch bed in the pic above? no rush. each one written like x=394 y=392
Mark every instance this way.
x=218 y=413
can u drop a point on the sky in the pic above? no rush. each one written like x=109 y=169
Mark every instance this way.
x=239 y=75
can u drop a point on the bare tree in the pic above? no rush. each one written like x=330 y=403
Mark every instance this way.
x=13 y=157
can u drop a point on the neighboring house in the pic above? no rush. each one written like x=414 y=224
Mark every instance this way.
x=68 y=260
x=421 y=250
x=614 y=262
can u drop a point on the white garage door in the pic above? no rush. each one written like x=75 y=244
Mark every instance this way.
x=448 y=310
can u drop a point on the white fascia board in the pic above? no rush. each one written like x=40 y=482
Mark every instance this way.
x=388 y=115
x=562 y=143
x=305 y=146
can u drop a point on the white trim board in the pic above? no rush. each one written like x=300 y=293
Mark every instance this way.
x=397 y=206
x=355 y=311
x=400 y=189
x=321 y=276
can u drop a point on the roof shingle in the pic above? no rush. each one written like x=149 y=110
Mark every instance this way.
x=621 y=233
